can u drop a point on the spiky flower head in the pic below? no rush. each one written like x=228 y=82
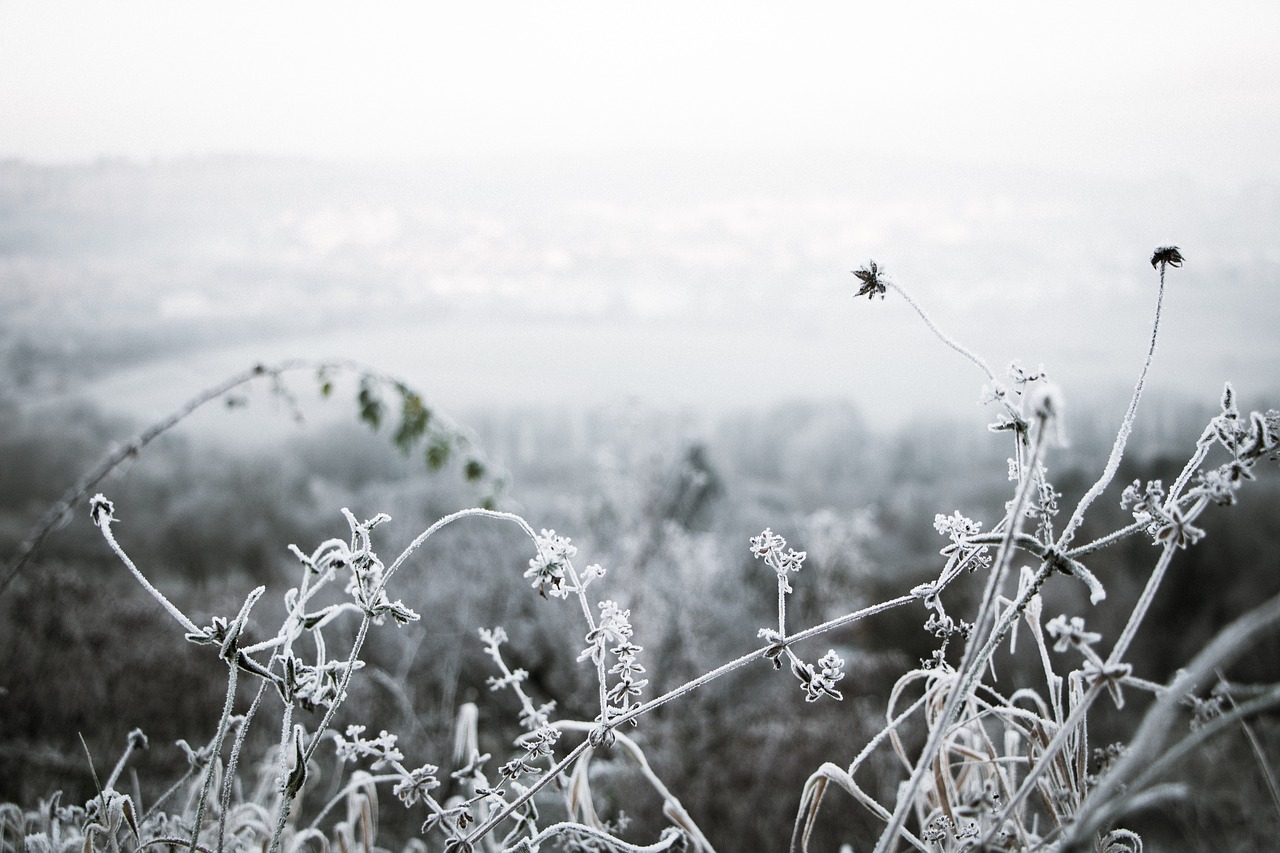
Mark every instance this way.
x=871 y=282
x=1166 y=256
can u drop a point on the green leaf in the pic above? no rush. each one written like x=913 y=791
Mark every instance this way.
x=438 y=452
x=414 y=417
x=371 y=407
x=473 y=470
x=326 y=384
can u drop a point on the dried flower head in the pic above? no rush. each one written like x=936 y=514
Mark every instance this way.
x=101 y=510
x=1047 y=406
x=1166 y=256
x=870 y=278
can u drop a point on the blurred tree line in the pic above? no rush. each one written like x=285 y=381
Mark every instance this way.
x=665 y=501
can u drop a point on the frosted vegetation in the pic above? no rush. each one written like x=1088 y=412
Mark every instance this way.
x=1020 y=711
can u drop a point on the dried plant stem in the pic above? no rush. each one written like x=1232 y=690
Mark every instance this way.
x=175 y=842
x=1014 y=611
x=527 y=794
x=1070 y=726
x=169 y=792
x=347 y=789
x=1184 y=476
x=449 y=519
x=121 y=762
x=1105 y=801
x=816 y=785
x=941 y=335
x=670 y=801
x=1122 y=436
x=849 y=618
x=782 y=606
x=973 y=662
x=60 y=511
x=1143 y=604
x=571 y=829
x=236 y=746
x=105 y=526
x=758 y=654
x=1106 y=541
x=215 y=751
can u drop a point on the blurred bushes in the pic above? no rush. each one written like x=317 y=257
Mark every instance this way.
x=83 y=652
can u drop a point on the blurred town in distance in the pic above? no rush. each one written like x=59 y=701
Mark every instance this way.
x=652 y=280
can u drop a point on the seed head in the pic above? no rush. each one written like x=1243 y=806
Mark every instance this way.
x=1168 y=256
x=101 y=510
x=871 y=283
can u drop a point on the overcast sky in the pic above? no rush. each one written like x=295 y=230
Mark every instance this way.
x=1152 y=87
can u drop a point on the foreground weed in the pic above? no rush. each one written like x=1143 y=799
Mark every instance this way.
x=1012 y=771
x=999 y=769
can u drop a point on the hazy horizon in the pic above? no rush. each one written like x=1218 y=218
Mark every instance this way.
x=575 y=286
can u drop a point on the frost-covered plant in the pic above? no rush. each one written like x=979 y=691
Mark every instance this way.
x=1001 y=767
x=320 y=683
x=1009 y=770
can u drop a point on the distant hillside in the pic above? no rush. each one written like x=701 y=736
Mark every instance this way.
x=655 y=278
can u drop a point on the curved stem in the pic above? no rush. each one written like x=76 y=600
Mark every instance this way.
x=59 y=512
x=347 y=789
x=670 y=801
x=181 y=618
x=446 y=520
x=76 y=493
x=941 y=335
x=1122 y=437
x=609 y=841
